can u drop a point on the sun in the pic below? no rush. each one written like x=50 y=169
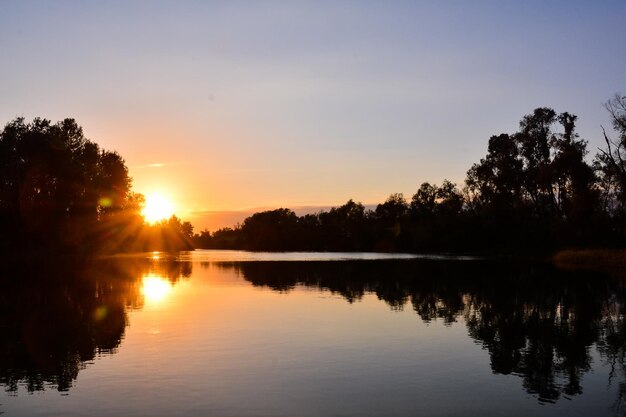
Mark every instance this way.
x=158 y=207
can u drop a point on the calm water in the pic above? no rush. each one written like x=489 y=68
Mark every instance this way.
x=239 y=334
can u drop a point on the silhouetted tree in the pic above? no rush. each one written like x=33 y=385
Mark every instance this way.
x=270 y=230
x=169 y=235
x=61 y=194
x=612 y=159
x=449 y=199
x=535 y=182
x=390 y=226
x=343 y=227
x=424 y=201
x=496 y=181
x=533 y=191
x=610 y=165
x=56 y=186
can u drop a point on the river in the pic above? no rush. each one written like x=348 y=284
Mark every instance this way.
x=230 y=333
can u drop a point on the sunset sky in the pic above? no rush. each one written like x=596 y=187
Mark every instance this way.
x=227 y=106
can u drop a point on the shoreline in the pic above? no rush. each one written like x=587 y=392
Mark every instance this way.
x=612 y=261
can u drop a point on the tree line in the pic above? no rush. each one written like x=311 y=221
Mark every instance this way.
x=61 y=194
x=534 y=190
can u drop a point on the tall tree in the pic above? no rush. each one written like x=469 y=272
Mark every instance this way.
x=535 y=182
x=611 y=161
x=56 y=186
x=497 y=179
x=270 y=230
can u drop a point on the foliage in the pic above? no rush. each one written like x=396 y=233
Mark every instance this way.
x=56 y=186
x=60 y=193
x=536 y=181
x=533 y=191
x=611 y=162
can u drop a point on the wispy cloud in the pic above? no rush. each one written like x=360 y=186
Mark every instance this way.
x=157 y=165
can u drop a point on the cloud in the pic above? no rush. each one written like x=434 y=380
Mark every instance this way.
x=157 y=165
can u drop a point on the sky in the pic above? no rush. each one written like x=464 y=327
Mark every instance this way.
x=228 y=107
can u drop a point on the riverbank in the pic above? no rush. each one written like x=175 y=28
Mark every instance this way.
x=612 y=261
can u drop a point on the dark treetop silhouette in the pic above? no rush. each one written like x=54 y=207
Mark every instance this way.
x=533 y=191
x=61 y=193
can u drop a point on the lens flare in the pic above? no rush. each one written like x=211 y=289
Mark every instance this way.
x=100 y=313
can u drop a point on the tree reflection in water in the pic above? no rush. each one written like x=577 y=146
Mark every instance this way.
x=536 y=322
x=55 y=320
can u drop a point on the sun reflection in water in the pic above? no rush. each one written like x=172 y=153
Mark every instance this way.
x=155 y=289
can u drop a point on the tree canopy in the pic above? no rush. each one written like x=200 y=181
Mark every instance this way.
x=61 y=193
x=534 y=190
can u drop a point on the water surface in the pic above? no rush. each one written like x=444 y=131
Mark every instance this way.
x=246 y=334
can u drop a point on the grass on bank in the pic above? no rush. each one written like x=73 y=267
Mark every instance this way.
x=612 y=261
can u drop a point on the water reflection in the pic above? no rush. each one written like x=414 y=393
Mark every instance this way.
x=546 y=327
x=536 y=322
x=56 y=320
x=155 y=289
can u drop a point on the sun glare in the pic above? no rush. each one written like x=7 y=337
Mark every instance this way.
x=158 y=207
x=155 y=289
